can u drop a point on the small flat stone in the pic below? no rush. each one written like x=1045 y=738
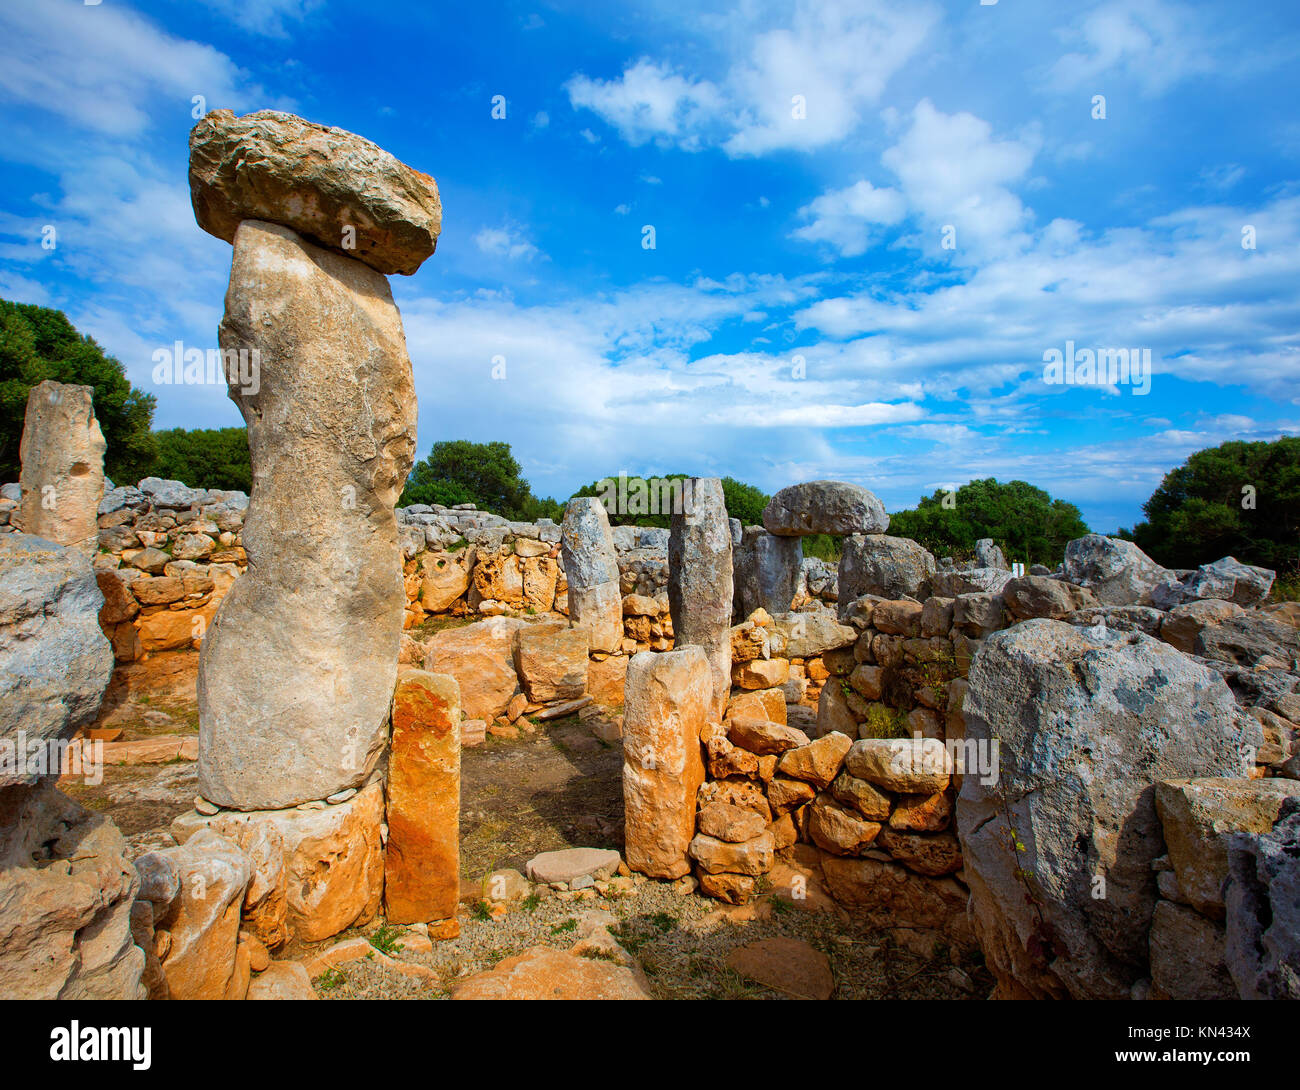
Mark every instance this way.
x=341 y=796
x=552 y=868
x=207 y=809
x=787 y=965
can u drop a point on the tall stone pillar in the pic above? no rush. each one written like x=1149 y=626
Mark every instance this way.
x=766 y=572
x=298 y=668
x=591 y=568
x=667 y=698
x=422 y=864
x=62 y=452
x=700 y=582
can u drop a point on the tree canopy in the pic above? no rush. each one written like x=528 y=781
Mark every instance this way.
x=484 y=474
x=1025 y=521
x=37 y=343
x=1237 y=499
x=205 y=457
x=743 y=501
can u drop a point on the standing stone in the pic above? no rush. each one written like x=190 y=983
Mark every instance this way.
x=422 y=867
x=297 y=670
x=62 y=452
x=667 y=704
x=591 y=569
x=825 y=507
x=700 y=582
x=1086 y=725
x=766 y=571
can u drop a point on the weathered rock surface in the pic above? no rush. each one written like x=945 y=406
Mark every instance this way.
x=331 y=186
x=281 y=980
x=66 y=891
x=203 y=921
x=62 y=452
x=1187 y=955
x=700 y=582
x=1086 y=726
x=890 y=567
x=1263 y=910
x=808 y=634
x=564 y=866
x=289 y=713
x=765 y=572
x=334 y=860
x=543 y=973
x=824 y=507
x=1116 y=571
x=668 y=698
x=481 y=658
x=785 y=964
x=422 y=863
x=552 y=661
x=55 y=662
x=1200 y=817
x=591 y=570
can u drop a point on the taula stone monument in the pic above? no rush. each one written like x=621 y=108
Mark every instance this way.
x=298 y=668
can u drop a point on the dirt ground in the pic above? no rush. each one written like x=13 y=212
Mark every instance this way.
x=558 y=787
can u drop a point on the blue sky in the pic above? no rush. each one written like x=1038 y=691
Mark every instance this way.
x=801 y=164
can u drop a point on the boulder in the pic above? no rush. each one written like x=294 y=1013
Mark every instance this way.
x=1116 y=571
x=752 y=857
x=817 y=763
x=334 y=860
x=950 y=584
x=66 y=892
x=668 y=700
x=888 y=567
x=824 y=507
x=1200 y=817
x=62 y=452
x=808 y=634
x=422 y=862
x=444 y=579
x=291 y=712
x=480 y=656
x=989 y=555
x=1028 y=596
x=552 y=661
x=700 y=582
x=1182 y=624
x=329 y=185
x=909 y=766
x=1086 y=725
x=55 y=662
x=203 y=920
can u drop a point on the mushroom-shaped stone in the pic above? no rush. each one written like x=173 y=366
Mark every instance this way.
x=825 y=507
x=331 y=186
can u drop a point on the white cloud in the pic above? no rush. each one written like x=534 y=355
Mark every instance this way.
x=1148 y=42
x=105 y=68
x=650 y=101
x=803 y=84
x=266 y=17
x=844 y=217
x=506 y=241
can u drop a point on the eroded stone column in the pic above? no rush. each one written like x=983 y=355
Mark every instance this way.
x=298 y=668
x=700 y=582
x=422 y=864
x=62 y=452
x=591 y=569
x=667 y=703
